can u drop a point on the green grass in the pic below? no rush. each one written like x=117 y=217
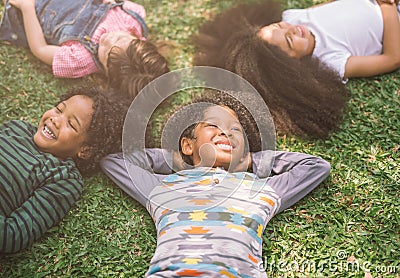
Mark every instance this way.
x=353 y=215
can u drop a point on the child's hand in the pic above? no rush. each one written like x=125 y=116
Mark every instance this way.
x=23 y=4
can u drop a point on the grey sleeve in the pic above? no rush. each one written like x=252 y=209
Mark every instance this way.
x=138 y=173
x=293 y=175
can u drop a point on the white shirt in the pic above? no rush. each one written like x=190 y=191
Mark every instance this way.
x=342 y=29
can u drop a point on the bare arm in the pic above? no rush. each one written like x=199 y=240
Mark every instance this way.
x=34 y=32
x=389 y=60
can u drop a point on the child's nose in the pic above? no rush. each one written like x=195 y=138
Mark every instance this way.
x=292 y=30
x=55 y=121
x=225 y=132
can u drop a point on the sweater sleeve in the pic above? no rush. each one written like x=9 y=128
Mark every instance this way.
x=139 y=172
x=293 y=175
x=44 y=208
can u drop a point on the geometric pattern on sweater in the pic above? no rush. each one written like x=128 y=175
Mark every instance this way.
x=209 y=224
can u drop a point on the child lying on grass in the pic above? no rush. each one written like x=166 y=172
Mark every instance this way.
x=210 y=217
x=41 y=167
x=81 y=37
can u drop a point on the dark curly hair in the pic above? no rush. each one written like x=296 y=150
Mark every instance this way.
x=305 y=97
x=104 y=135
x=195 y=116
x=129 y=71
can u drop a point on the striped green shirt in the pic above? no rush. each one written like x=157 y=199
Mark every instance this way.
x=36 y=188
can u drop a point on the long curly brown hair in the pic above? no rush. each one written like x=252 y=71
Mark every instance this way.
x=104 y=135
x=305 y=97
x=131 y=70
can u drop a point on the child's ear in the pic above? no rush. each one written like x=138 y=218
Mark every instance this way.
x=85 y=152
x=187 y=146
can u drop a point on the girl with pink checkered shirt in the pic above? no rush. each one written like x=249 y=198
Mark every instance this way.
x=78 y=38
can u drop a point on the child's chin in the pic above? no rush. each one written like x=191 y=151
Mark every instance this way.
x=40 y=142
x=37 y=139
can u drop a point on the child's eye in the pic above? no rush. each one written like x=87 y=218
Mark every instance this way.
x=289 y=42
x=238 y=129
x=58 y=110
x=212 y=125
x=72 y=126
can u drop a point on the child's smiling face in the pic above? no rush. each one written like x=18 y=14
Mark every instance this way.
x=218 y=140
x=63 y=129
x=296 y=41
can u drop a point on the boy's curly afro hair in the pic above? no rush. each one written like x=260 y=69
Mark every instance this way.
x=104 y=135
x=211 y=97
x=247 y=121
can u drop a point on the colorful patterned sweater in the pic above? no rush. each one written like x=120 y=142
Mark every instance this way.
x=210 y=225
x=209 y=222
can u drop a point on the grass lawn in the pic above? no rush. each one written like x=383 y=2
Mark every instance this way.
x=347 y=227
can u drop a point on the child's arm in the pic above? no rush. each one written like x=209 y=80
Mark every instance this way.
x=34 y=32
x=389 y=60
x=138 y=174
x=43 y=210
x=294 y=175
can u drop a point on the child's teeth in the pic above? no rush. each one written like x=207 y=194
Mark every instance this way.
x=224 y=146
x=49 y=132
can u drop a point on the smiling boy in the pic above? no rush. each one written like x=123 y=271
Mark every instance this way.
x=218 y=141
x=208 y=218
x=41 y=167
x=62 y=130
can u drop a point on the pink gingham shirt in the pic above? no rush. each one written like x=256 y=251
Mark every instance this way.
x=73 y=60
